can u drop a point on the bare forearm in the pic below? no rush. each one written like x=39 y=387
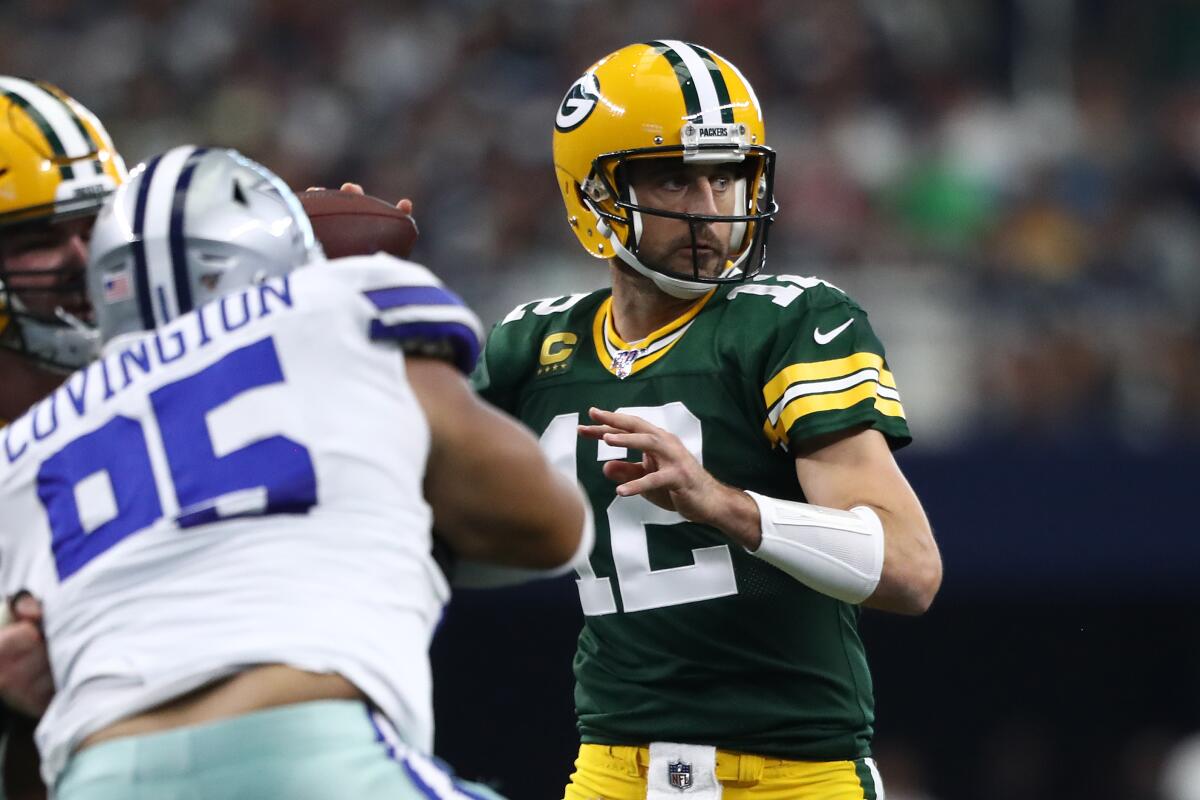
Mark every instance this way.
x=519 y=514
x=736 y=515
x=912 y=566
x=494 y=496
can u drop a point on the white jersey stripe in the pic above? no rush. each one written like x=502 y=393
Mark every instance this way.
x=461 y=314
x=706 y=90
x=823 y=387
x=650 y=349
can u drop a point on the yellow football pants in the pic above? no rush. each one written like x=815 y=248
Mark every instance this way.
x=611 y=772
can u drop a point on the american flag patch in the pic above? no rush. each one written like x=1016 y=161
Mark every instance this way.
x=117 y=287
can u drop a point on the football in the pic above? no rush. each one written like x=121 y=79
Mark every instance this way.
x=349 y=224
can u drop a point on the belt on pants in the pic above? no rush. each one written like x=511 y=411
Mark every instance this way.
x=731 y=767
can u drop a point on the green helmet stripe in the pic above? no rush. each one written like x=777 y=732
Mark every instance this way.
x=47 y=130
x=691 y=99
x=718 y=79
x=92 y=144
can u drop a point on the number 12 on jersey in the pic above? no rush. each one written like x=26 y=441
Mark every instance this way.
x=711 y=573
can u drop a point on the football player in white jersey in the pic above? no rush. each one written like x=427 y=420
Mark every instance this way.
x=228 y=515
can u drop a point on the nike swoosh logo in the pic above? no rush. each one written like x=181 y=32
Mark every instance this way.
x=826 y=338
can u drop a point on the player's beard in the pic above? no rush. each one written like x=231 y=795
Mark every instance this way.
x=683 y=255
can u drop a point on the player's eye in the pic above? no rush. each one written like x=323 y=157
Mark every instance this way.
x=673 y=183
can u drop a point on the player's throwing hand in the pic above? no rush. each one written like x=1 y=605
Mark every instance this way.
x=670 y=477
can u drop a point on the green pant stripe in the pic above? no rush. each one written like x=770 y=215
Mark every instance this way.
x=863 y=770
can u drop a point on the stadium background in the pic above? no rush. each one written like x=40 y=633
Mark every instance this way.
x=1012 y=187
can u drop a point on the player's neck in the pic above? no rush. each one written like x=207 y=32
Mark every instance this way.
x=639 y=307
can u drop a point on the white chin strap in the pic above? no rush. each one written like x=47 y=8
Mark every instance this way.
x=675 y=287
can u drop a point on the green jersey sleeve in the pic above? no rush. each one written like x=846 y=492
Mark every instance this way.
x=497 y=375
x=826 y=371
x=525 y=345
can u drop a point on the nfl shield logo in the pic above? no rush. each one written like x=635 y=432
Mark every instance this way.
x=623 y=362
x=680 y=773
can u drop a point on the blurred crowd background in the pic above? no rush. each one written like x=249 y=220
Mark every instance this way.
x=1011 y=187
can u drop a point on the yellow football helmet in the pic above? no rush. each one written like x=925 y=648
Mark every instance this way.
x=57 y=163
x=662 y=99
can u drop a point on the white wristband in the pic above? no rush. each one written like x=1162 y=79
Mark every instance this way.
x=481 y=575
x=834 y=552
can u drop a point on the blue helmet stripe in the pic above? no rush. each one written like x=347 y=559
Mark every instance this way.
x=141 y=275
x=183 y=285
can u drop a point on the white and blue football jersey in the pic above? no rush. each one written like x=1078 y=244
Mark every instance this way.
x=241 y=486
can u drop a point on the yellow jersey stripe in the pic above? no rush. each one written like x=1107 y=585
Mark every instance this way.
x=824 y=370
x=889 y=408
x=605 y=337
x=812 y=404
x=605 y=311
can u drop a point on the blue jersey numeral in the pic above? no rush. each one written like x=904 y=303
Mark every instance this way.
x=117 y=450
x=269 y=476
x=278 y=464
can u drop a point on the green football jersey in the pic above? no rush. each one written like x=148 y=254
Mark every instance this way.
x=687 y=637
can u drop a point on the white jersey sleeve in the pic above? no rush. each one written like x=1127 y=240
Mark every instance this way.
x=413 y=308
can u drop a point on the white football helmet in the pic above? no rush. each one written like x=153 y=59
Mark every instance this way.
x=189 y=226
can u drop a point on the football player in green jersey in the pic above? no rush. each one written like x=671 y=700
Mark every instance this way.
x=734 y=432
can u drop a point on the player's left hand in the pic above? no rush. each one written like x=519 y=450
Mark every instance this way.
x=670 y=476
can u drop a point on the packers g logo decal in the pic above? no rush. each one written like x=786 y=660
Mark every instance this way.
x=578 y=104
x=556 y=353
